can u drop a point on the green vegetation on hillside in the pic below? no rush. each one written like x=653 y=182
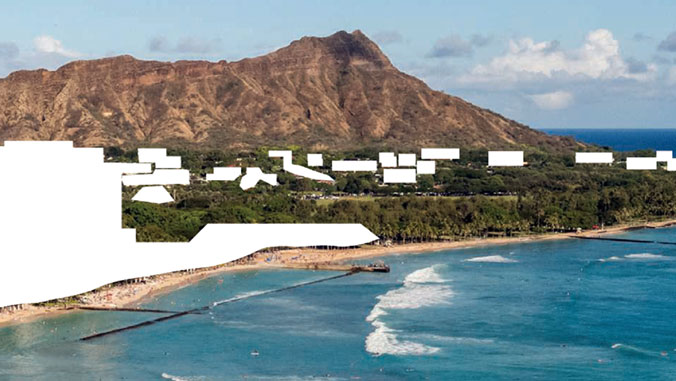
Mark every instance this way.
x=463 y=199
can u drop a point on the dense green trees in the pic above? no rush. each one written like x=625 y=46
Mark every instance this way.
x=463 y=199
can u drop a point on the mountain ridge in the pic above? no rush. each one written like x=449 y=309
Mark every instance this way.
x=336 y=91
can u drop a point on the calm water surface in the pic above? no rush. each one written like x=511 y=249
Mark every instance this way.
x=623 y=139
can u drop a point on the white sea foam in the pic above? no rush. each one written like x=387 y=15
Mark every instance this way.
x=644 y=256
x=179 y=378
x=426 y=275
x=383 y=340
x=491 y=259
x=411 y=296
x=422 y=288
x=170 y=377
x=610 y=259
x=633 y=349
x=242 y=295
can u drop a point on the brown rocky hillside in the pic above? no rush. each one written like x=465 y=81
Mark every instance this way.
x=331 y=92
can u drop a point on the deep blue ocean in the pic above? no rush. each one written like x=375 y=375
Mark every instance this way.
x=623 y=139
x=561 y=309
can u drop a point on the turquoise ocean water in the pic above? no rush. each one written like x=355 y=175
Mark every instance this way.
x=565 y=309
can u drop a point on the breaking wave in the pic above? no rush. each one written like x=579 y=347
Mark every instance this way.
x=491 y=259
x=629 y=349
x=168 y=376
x=638 y=256
x=422 y=288
x=644 y=256
x=610 y=259
x=384 y=340
x=426 y=275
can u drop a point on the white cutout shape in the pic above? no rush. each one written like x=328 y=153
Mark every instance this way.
x=426 y=167
x=407 y=160
x=60 y=218
x=354 y=166
x=315 y=160
x=254 y=175
x=440 y=153
x=399 y=175
x=298 y=170
x=387 y=159
x=593 y=157
x=505 y=158
x=154 y=194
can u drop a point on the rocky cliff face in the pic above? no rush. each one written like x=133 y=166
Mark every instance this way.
x=332 y=92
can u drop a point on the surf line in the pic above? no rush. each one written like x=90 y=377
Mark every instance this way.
x=623 y=240
x=199 y=310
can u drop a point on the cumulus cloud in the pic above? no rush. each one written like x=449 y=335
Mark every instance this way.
x=526 y=60
x=555 y=100
x=186 y=45
x=48 y=52
x=456 y=46
x=669 y=43
x=387 y=37
x=50 y=45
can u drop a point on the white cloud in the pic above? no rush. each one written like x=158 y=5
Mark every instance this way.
x=598 y=58
x=555 y=100
x=50 y=45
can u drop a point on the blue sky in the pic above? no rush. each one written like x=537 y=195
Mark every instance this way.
x=549 y=64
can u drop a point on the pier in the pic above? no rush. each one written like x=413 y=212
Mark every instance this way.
x=202 y=309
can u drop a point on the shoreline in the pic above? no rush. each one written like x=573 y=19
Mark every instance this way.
x=132 y=295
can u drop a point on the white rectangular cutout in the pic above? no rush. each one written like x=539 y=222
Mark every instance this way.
x=671 y=165
x=593 y=157
x=387 y=159
x=407 y=160
x=151 y=155
x=398 y=176
x=642 y=163
x=426 y=167
x=354 y=165
x=440 y=153
x=505 y=158
x=224 y=174
x=664 y=156
x=315 y=160
x=169 y=162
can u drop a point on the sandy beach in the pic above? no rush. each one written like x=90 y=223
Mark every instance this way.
x=133 y=294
